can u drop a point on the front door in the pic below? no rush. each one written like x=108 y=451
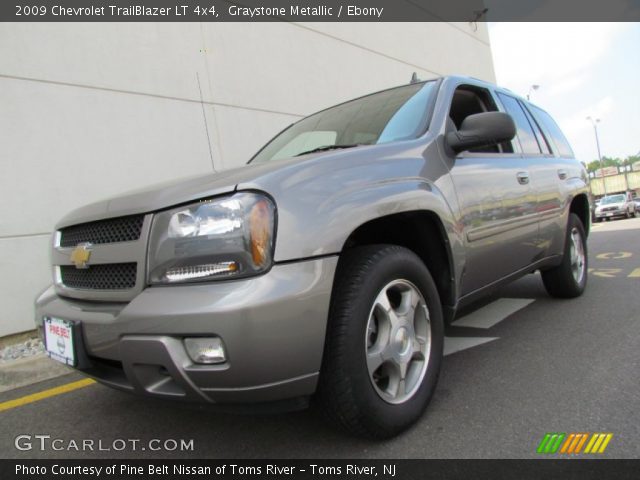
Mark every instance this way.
x=496 y=198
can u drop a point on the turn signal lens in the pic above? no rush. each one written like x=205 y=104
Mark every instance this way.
x=260 y=226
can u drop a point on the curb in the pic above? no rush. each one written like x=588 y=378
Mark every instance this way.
x=29 y=370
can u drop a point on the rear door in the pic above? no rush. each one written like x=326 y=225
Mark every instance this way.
x=554 y=176
x=543 y=168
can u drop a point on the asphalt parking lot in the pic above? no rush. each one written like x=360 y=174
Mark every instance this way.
x=519 y=365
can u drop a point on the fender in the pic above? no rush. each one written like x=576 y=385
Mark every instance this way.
x=321 y=203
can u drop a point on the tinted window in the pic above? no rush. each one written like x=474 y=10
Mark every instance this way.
x=551 y=129
x=470 y=100
x=612 y=199
x=525 y=133
x=388 y=116
x=542 y=141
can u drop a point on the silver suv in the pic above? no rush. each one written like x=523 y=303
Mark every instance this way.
x=327 y=267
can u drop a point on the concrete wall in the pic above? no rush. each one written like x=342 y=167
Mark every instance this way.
x=88 y=111
x=616 y=183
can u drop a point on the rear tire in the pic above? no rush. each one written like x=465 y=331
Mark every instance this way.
x=385 y=313
x=569 y=279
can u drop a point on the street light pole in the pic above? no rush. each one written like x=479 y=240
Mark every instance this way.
x=595 y=122
x=531 y=89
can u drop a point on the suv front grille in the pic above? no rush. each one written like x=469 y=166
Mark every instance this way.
x=112 y=276
x=122 y=229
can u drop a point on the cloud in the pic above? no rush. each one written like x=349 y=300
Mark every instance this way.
x=567 y=84
x=553 y=55
x=583 y=69
x=577 y=123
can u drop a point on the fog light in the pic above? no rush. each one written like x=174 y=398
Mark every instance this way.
x=205 y=350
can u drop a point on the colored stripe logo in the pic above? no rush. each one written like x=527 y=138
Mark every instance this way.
x=573 y=443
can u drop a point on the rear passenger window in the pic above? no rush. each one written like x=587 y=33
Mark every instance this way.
x=552 y=131
x=525 y=132
x=542 y=141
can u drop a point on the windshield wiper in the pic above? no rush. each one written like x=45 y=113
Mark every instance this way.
x=328 y=147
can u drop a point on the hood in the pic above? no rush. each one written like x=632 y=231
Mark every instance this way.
x=168 y=194
x=271 y=177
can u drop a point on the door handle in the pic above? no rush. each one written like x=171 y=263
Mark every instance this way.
x=523 y=178
x=562 y=174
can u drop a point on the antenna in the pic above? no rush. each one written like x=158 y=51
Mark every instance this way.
x=414 y=78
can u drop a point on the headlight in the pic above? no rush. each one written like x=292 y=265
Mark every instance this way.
x=228 y=237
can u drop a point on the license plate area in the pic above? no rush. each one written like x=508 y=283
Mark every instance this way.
x=59 y=340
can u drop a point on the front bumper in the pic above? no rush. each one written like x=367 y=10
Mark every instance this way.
x=273 y=328
x=611 y=214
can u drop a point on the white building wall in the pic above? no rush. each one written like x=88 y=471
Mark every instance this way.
x=88 y=111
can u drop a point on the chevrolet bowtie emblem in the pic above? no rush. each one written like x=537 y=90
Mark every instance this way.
x=81 y=254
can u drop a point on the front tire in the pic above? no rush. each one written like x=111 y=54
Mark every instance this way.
x=569 y=279
x=384 y=342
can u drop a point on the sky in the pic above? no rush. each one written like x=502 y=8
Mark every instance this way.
x=583 y=69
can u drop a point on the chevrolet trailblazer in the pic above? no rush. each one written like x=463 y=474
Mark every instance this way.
x=326 y=267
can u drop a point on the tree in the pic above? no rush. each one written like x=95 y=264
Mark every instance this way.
x=631 y=159
x=612 y=162
x=593 y=166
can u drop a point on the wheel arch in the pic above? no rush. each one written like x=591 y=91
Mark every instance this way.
x=580 y=206
x=423 y=233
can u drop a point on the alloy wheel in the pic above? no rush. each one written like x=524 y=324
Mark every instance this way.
x=398 y=341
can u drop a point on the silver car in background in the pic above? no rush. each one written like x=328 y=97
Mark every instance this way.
x=616 y=206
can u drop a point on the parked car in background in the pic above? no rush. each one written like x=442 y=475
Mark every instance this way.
x=620 y=205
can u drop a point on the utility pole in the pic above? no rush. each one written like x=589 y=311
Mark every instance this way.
x=595 y=122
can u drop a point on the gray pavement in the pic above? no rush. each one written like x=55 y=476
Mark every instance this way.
x=548 y=366
x=28 y=370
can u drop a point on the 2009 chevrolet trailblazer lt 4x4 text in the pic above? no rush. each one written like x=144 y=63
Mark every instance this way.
x=326 y=267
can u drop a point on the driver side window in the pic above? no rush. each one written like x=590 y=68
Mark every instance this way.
x=469 y=100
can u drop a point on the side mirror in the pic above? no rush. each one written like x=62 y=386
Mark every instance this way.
x=481 y=130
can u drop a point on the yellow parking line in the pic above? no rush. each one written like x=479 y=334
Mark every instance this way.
x=52 y=392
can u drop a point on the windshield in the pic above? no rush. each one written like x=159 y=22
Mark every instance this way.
x=395 y=114
x=612 y=199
